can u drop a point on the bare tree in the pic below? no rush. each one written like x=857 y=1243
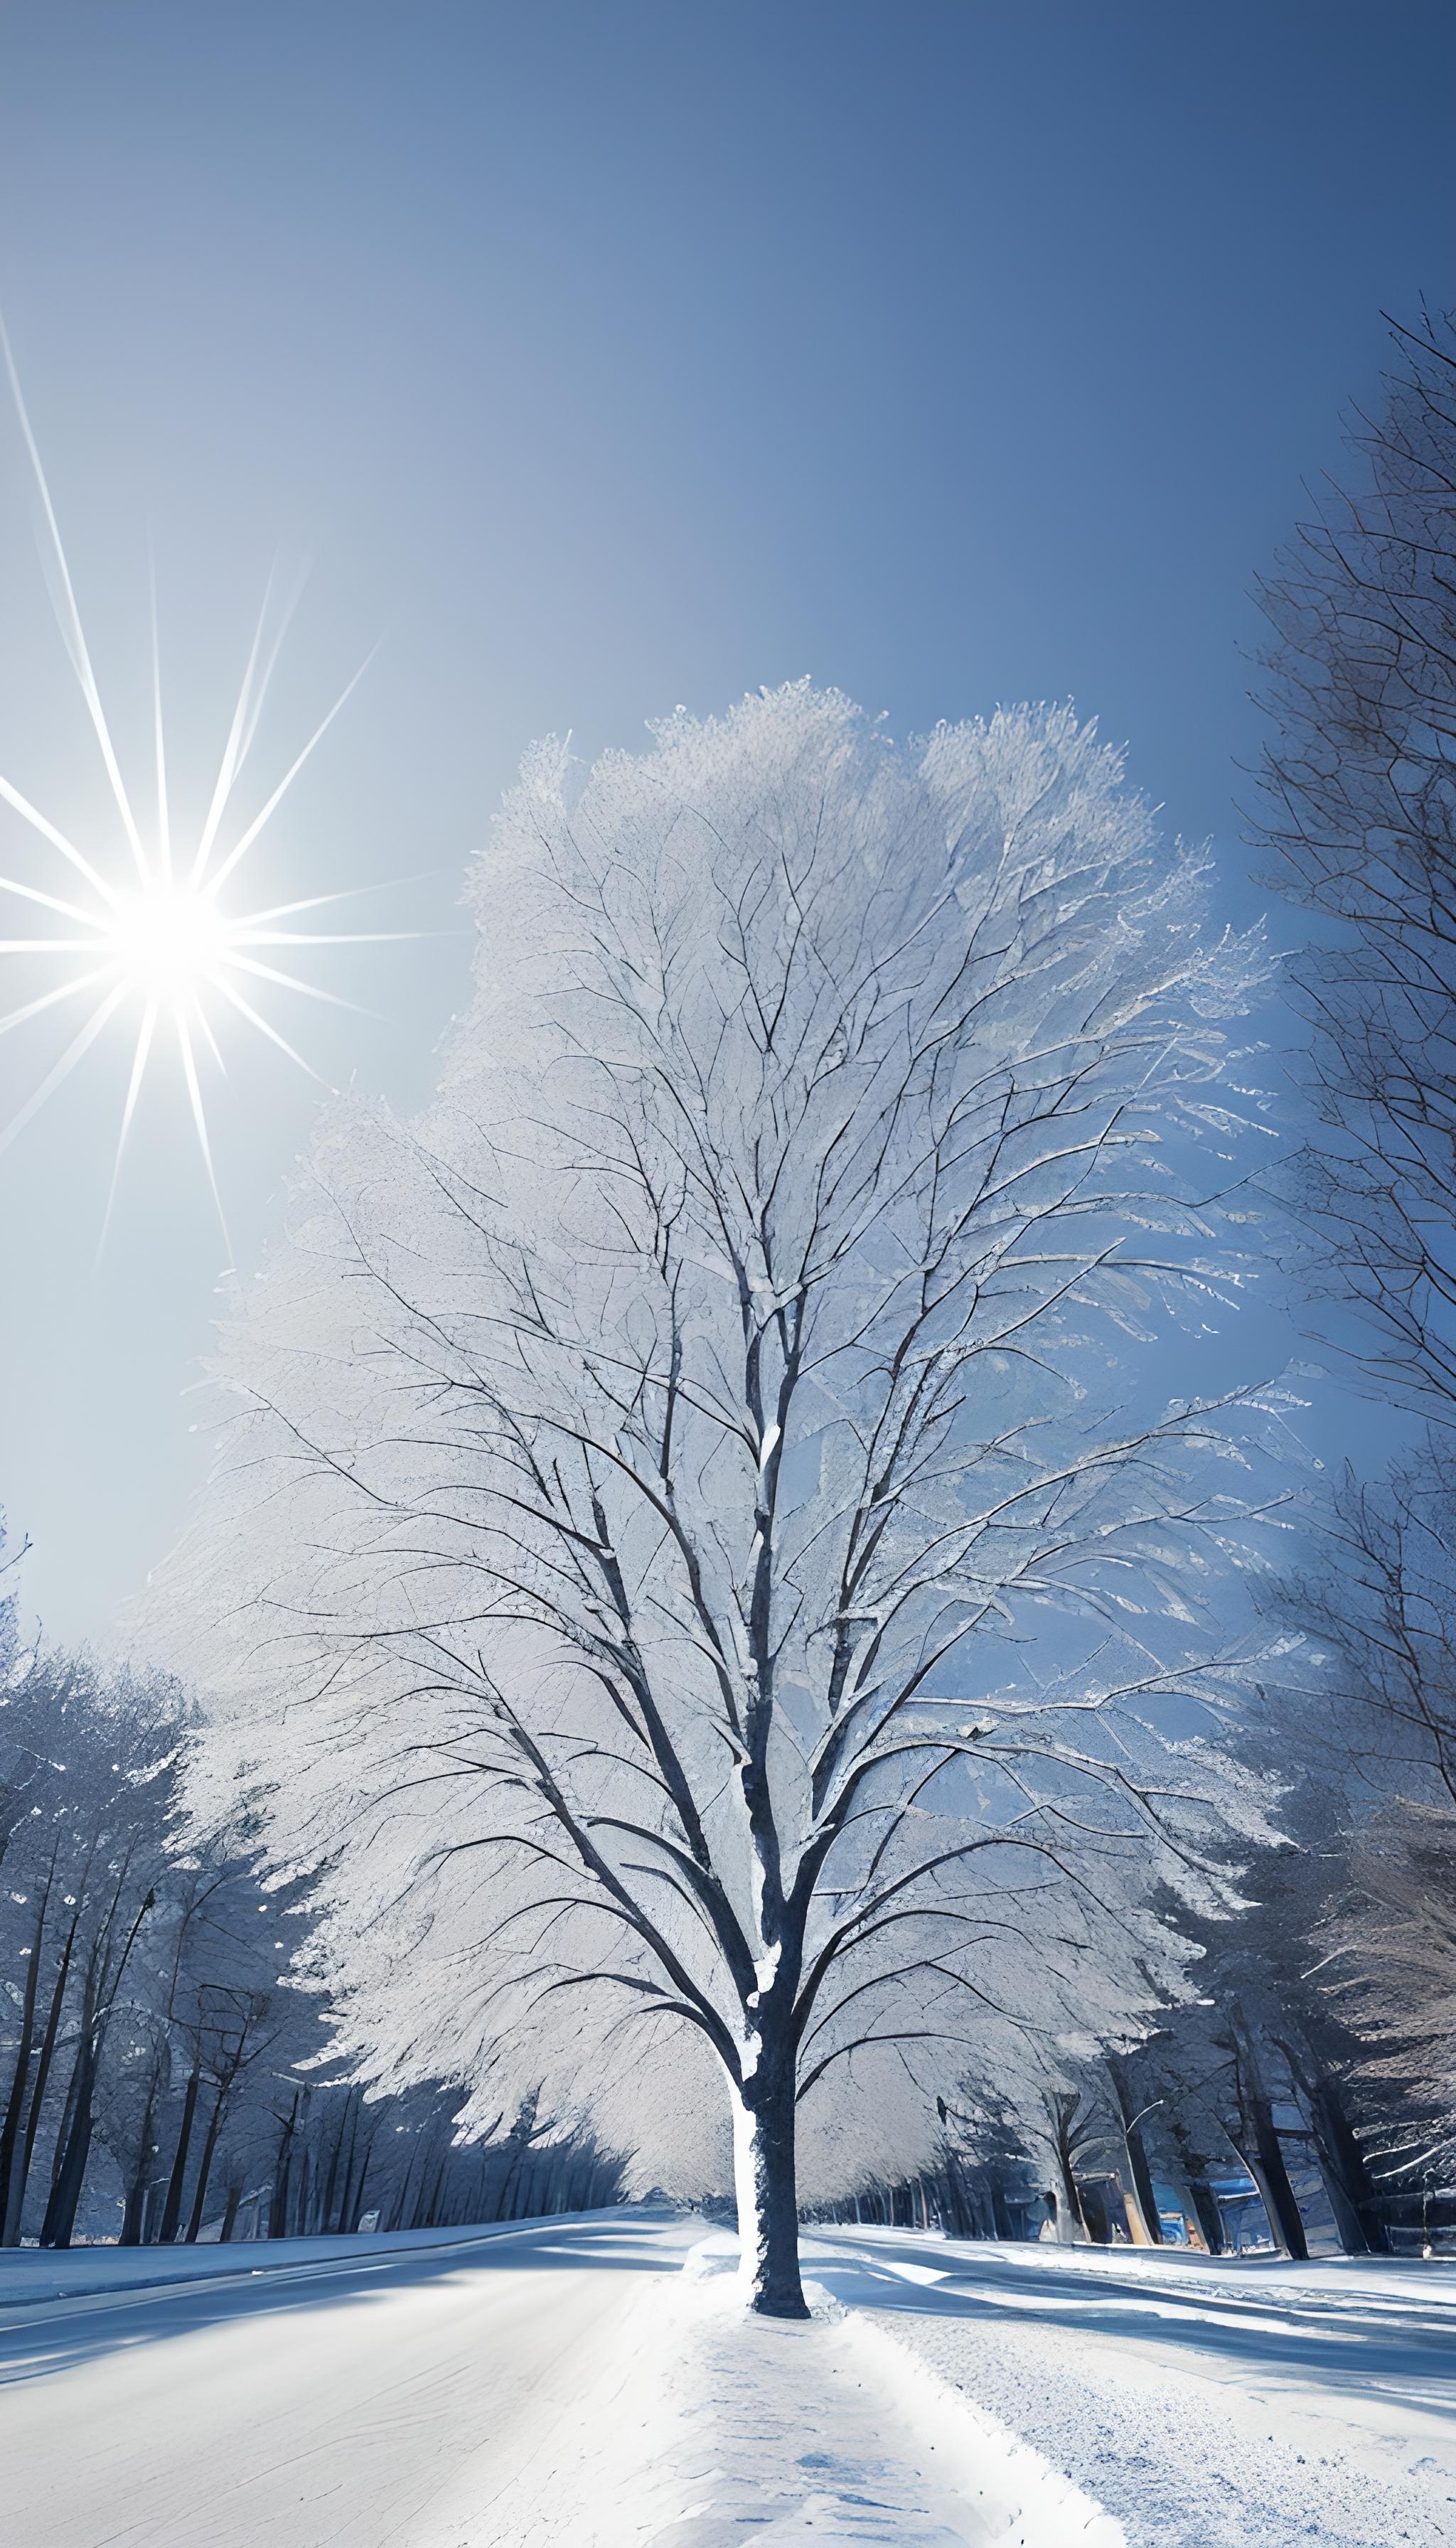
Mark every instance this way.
x=1359 y=809
x=1360 y=812
x=616 y=1581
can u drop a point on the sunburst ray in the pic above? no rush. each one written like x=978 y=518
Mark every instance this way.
x=63 y=1069
x=167 y=941
x=144 y=1034
x=72 y=633
x=240 y=848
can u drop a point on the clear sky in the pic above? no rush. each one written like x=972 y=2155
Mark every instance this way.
x=607 y=356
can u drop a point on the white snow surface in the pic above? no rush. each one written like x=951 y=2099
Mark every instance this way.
x=595 y=2383
x=1204 y=2403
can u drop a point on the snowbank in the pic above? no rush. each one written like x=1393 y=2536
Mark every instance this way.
x=1204 y=2403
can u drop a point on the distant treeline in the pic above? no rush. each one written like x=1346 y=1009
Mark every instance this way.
x=157 y=2073
x=1301 y=2102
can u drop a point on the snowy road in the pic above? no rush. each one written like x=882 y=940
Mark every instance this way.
x=379 y=2400
x=566 y=2385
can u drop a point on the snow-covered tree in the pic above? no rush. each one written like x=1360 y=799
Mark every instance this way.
x=1377 y=1600
x=85 y=1769
x=1359 y=813
x=618 y=1587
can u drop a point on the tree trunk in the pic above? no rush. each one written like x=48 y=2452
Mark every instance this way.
x=766 y=2185
x=205 y=2167
x=1205 y=2203
x=20 y=2077
x=1352 y=2196
x=1070 y=2218
x=1137 y=2151
x=230 y=2212
x=1200 y=2193
x=21 y=2175
x=1143 y=2189
x=172 y=2207
x=282 y=2166
x=73 y=2155
x=1265 y=2163
x=134 y=2203
x=356 y=2198
x=325 y=2204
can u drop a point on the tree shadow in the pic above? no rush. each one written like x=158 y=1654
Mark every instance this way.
x=50 y=2333
x=1346 y=2326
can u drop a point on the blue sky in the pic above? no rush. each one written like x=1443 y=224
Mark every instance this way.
x=608 y=357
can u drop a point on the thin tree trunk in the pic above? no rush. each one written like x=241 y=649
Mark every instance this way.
x=355 y=2211
x=325 y=2203
x=135 y=2204
x=15 y=2103
x=1352 y=2195
x=1137 y=2150
x=282 y=2169
x=1265 y=2163
x=1210 y=2219
x=205 y=2167
x=73 y=2151
x=97 y=2001
x=1200 y=2193
x=172 y=2207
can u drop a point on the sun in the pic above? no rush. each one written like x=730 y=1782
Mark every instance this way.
x=164 y=939
x=168 y=942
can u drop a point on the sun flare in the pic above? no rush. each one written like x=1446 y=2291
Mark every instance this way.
x=161 y=941
x=168 y=942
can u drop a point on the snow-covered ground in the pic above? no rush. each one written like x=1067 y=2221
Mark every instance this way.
x=1206 y=2405
x=570 y=2385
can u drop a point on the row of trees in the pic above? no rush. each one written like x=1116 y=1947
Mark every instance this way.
x=1321 y=2051
x=1266 y=2109
x=158 y=2072
x=1359 y=819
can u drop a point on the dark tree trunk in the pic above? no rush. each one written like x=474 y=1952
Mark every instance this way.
x=133 y=2208
x=74 y=2146
x=330 y=2182
x=1266 y=2166
x=1352 y=2194
x=303 y=2187
x=346 y=2195
x=74 y=2152
x=767 y=2186
x=205 y=2167
x=129 y=2234
x=22 y=2173
x=356 y=2199
x=231 y=2205
x=172 y=2207
x=10 y=2140
x=1210 y=2219
x=1200 y=2193
x=282 y=2169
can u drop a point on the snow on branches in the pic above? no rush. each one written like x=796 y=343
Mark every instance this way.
x=697 y=1575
